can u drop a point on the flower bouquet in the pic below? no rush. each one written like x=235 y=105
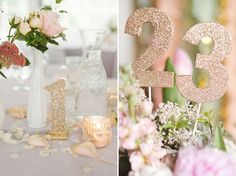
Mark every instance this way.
x=37 y=30
x=171 y=141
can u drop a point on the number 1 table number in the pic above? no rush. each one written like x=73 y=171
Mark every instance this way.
x=57 y=96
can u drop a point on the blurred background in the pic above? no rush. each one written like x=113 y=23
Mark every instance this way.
x=82 y=14
x=184 y=14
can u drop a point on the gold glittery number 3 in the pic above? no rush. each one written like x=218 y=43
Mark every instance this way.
x=159 y=45
x=218 y=76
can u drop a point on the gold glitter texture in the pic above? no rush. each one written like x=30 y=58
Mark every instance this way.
x=159 y=45
x=57 y=95
x=218 y=75
x=97 y=129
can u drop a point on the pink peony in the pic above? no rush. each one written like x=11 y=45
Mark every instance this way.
x=204 y=162
x=50 y=25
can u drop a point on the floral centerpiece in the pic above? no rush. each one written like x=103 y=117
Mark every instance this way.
x=171 y=141
x=37 y=30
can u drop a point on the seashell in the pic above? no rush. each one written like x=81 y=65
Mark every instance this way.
x=38 y=141
x=27 y=147
x=15 y=155
x=7 y=138
x=25 y=137
x=18 y=133
x=67 y=150
x=18 y=112
x=44 y=152
x=85 y=149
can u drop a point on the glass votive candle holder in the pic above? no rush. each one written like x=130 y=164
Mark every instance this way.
x=97 y=129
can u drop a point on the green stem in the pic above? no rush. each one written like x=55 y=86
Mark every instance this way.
x=13 y=38
x=9 y=34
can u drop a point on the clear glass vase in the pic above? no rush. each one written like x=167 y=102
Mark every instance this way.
x=92 y=79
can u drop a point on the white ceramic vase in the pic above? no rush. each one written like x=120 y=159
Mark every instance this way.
x=36 y=113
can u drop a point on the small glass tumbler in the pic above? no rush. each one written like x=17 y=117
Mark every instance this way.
x=97 y=129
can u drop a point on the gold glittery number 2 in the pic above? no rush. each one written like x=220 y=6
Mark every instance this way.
x=218 y=75
x=159 y=45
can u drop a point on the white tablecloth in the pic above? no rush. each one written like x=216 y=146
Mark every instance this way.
x=57 y=164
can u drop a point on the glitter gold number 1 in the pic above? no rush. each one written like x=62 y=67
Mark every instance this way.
x=159 y=45
x=218 y=75
x=57 y=95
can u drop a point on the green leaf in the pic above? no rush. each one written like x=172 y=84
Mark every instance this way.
x=182 y=124
x=167 y=126
x=218 y=139
x=63 y=11
x=41 y=48
x=172 y=94
x=202 y=120
x=62 y=35
x=1 y=73
x=58 y=1
x=53 y=41
x=27 y=62
x=46 y=7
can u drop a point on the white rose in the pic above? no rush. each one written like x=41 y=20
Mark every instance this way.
x=35 y=22
x=24 y=28
x=16 y=19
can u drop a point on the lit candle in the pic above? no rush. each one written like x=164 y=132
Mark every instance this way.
x=97 y=129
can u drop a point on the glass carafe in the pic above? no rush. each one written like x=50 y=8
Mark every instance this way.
x=92 y=79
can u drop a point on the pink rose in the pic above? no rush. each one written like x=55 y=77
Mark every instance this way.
x=50 y=24
x=207 y=161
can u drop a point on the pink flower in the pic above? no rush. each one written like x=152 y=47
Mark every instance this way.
x=207 y=161
x=129 y=134
x=9 y=54
x=137 y=161
x=146 y=126
x=146 y=107
x=50 y=24
x=182 y=62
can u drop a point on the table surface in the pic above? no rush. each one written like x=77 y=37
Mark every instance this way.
x=30 y=162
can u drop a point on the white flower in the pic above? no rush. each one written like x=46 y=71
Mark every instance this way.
x=146 y=107
x=35 y=22
x=161 y=170
x=24 y=28
x=17 y=20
